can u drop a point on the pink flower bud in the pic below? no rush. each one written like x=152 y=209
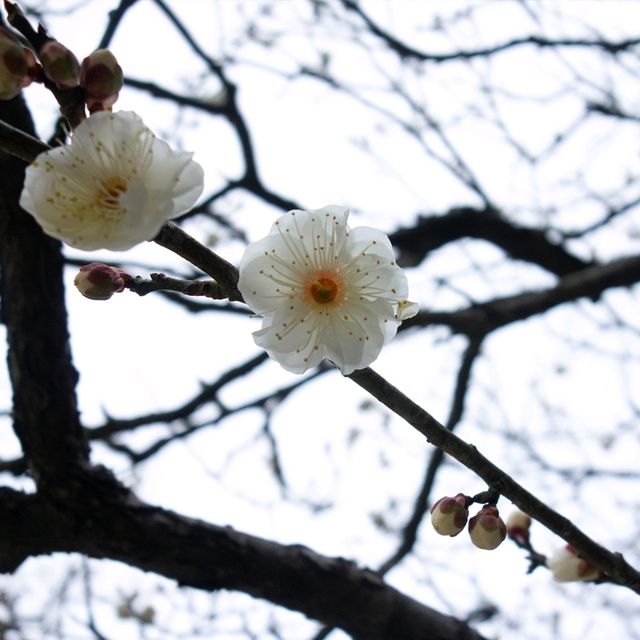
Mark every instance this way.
x=567 y=566
x=98 y=281
x=14 y=66
x=101 y=76
x=60 y=65
x=486 y=528
x=449 y=515
x=518 y=524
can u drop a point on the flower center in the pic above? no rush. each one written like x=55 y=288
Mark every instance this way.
x=323 y=290
x=110 y=191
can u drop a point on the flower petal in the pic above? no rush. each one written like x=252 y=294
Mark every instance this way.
x=311 y=251
x=112 y=187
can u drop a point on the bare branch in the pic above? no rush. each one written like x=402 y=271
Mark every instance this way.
x=405 y=51
x=613 y=564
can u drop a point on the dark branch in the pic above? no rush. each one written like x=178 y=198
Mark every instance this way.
x=208 y=557
x=423 y=499
x=613 y=564
x=407 y=52
x=481 y=319
x=115 y=17
x=33 y=310
x=521 y=243
x=224 y=273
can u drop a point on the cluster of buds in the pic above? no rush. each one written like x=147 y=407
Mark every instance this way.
x=449 y=517
x=17 y=65
x=98 y=281
x=99 y=75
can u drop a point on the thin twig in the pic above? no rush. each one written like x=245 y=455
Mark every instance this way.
x=175 y=239
x=613 y=564
x=162 y=282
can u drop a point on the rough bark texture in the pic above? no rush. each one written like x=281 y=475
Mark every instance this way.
x=42 y=375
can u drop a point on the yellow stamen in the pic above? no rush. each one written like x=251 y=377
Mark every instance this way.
x=323 y=290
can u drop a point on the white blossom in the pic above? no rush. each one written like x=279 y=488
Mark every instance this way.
x=112 y=187
x=567 y=566
x=324 y=290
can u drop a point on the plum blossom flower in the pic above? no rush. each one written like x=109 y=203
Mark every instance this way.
x=112 y=187
x=567 y=566
x=324 y=291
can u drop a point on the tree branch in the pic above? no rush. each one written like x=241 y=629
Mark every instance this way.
x=407 y=52
x=175 y=239
x=208 y=557
x=481 y=319
x=521 y=243
x=613 y=564
x=20 y=144
x=33 y=309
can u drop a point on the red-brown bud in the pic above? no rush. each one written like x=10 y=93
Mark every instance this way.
x=101 y=77
x=449 y=515
x=98 y=281
x=486 y=528
x=59 y=64
x=518 y=524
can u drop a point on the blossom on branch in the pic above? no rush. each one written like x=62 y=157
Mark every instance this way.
x=324 y=291
x=113 y=187
x=567 y=566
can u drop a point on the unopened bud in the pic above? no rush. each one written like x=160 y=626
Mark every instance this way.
x=567 y=566
x=486 y=528
x=98 y=281
x=449 y=515
x=59 y=64
x=14 y=66
x=101 y=76
x=518 y=524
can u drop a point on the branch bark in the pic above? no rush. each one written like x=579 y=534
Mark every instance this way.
x=520 y=243
x=109 y=524
x=33 y=309
x=613 y=564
